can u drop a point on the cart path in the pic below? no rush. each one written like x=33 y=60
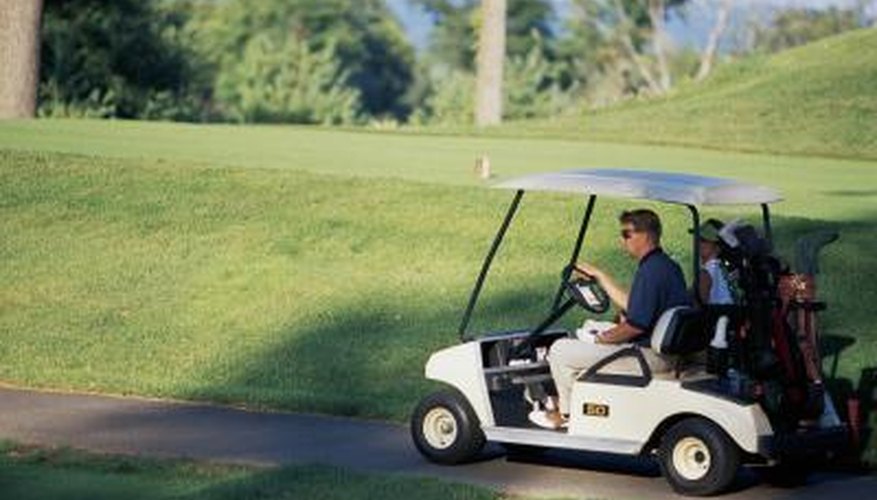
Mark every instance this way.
x=200 y=431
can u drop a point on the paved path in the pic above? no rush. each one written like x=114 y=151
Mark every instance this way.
x=168 y=429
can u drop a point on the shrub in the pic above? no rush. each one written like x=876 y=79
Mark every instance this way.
x=285 y=81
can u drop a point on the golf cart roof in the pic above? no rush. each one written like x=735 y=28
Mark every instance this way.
x=685 y=189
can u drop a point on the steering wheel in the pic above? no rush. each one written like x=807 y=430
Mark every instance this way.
x=586 y=291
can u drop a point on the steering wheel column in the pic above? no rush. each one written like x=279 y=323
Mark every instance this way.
x=584 y=291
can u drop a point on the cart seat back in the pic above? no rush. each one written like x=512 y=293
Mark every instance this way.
x=680 y=331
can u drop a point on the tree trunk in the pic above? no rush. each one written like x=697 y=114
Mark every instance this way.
x=19 y=57
x=489 y=63
x=657 y=13
x=709 y=52
x=627 y=42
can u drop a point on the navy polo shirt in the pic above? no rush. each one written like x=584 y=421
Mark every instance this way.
x=657 y=286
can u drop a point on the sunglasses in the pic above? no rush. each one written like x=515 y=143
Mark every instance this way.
x=627 y=233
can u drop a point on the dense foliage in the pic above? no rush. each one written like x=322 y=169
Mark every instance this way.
x=124 y=58
x=359 y=38
x=793 y=27
x=453 y=41
x=534 y=88
x=350 y=61
x=284 y=80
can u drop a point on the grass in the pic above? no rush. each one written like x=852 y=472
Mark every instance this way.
x=818 y=99
x=315 y=269
x=288 y=289
x=419 y=158
x=45 y=474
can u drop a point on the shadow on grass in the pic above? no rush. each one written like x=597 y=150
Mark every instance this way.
x=332 y=483
x=364 y=358
x=852 y=193
x=47 y=474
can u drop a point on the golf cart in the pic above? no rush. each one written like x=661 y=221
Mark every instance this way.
x=758 y=399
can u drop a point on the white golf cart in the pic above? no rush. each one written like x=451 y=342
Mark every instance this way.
x=701 y=421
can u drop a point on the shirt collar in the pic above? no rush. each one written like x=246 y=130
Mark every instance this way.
x=652 y=252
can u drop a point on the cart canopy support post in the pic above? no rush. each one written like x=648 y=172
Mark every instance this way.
x=577 y=248
x=768 y=231
x=488 y=260
x=695 y=252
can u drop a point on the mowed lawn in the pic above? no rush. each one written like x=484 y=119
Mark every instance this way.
x=28 y=473
x=315 y=270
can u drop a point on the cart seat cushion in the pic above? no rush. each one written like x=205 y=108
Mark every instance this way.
x=679 y=331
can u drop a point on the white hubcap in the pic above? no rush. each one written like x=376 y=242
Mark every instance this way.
x=691 y=458
x=440 y=428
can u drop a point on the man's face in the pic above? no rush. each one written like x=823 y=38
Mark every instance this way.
x=633 y=241
x=708 y=249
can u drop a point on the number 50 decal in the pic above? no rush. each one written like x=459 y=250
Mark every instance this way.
x=596 y=410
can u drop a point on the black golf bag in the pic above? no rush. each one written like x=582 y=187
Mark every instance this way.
x=765 y=358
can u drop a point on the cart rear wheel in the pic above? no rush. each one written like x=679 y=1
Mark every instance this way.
x=445 y=429
x=698 y=458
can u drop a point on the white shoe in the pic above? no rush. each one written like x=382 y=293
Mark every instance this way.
x=542 y=419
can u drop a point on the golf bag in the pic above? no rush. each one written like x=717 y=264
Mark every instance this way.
x=773 y=345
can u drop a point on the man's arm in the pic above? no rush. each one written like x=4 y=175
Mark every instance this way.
x=704 y=284
x=616 y=293
x=619 y=334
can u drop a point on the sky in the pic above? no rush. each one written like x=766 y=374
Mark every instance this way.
x=692 y=32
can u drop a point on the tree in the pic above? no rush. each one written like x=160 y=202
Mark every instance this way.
x=657 y=16
x=453 y=39
x=712 y=45
x=369 y=42
x=283 y=80
x=797 y=26
x=638 y=29
x=489 y=63
x=125 y=58
x=626 y=30
x=532 y=88
x=19 y=57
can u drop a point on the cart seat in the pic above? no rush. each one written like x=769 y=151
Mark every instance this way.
x=680 y=331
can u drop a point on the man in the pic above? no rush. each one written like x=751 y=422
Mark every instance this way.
x=657 y=286
x=713 y=283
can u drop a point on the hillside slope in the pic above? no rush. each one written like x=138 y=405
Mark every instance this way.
x=817 y=99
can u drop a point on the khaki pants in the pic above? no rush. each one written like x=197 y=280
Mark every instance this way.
x=569 y=357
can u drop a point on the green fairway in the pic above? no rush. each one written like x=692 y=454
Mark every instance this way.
x=47 y=474
x=841 y=187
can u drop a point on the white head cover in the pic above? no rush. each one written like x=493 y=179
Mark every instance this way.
x=727 y=233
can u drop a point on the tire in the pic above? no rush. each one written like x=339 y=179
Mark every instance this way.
x=697 y=458
x=445 y=429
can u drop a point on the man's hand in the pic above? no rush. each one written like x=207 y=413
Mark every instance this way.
x=615 y=292
x=619 y=334
x=590 y=270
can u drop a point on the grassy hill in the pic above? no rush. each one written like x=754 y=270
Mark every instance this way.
x=271 y=284
x=817 y=99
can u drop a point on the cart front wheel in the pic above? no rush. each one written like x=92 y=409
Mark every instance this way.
x=698 y=458
x=445 y=429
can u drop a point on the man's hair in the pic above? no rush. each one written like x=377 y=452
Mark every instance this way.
x=643 y=220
